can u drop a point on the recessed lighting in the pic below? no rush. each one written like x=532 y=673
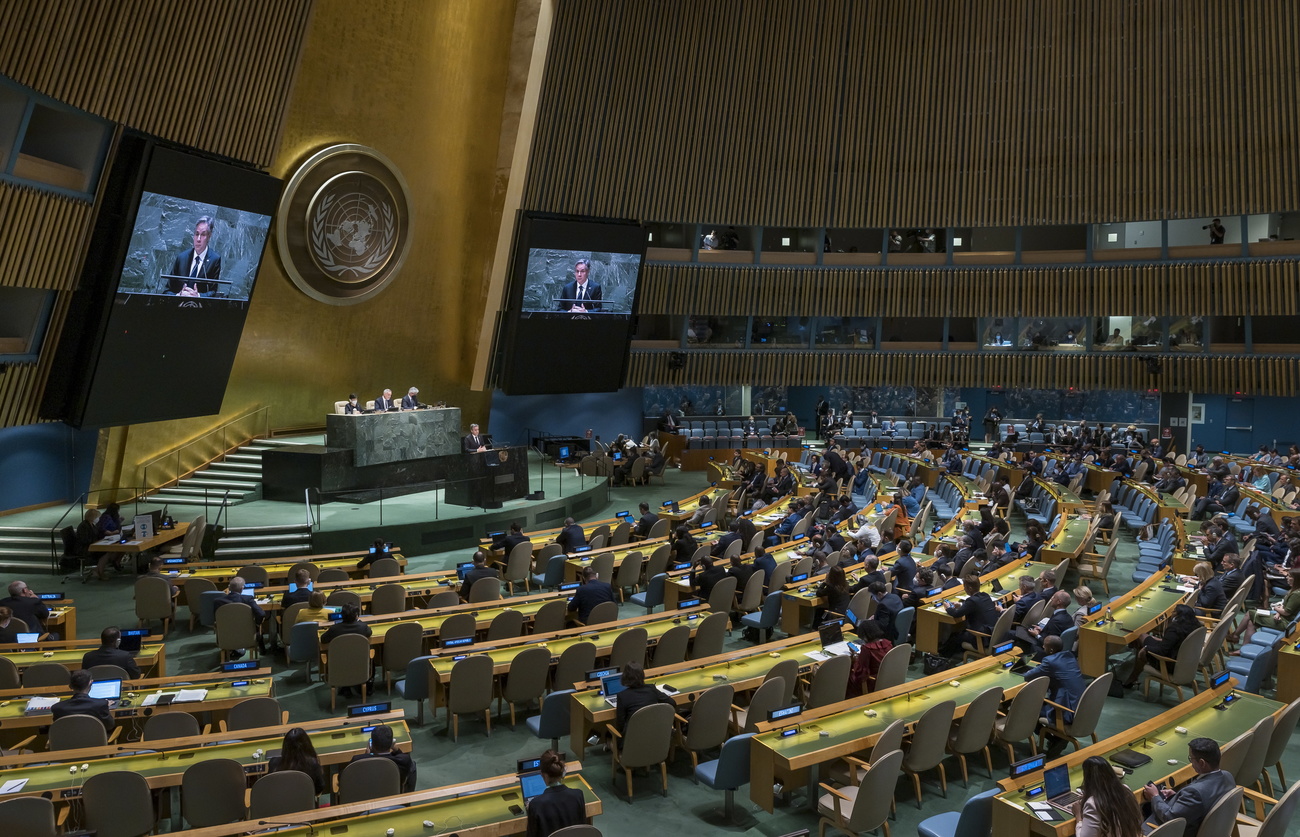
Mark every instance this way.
x=956 y=241
x=651 y=237
x=785 y=242
x=1111 y=238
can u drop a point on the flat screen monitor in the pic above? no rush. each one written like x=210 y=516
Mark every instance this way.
x=106 y=689
x=531 y=785
x=564 y=452
x=132 y=639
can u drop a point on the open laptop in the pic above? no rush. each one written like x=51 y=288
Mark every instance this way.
x=610 y=686
x=109 y=690
x=132 y=638
x=531 y=785
x=1056 y=786
x=28 y=637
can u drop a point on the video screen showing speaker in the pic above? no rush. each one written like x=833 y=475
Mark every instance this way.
x=158 y=315
x=573 y=292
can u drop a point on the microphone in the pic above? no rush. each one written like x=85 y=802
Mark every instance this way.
x=311 y=829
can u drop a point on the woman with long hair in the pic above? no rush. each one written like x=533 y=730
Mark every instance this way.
x=834 y=591
x=1106 y=807
x=297 y=753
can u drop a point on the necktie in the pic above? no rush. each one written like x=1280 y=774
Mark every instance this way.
x=198 y=260
x=582 y=292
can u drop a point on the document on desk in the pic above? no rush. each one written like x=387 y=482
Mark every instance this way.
x=839 y=649
x=153 y=699
x=190 y=695
x=38 y=705
x=12 y=786
x=819 y=656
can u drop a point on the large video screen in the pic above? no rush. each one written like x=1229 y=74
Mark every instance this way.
x=156 y=321
x=186 y=250
x=573 y=293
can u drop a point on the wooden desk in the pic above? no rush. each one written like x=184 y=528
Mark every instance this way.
x=134 y=547
x=1099 y=479
x=1137 y=611
x=336 y=741
x=277 y=569
x=1067 y=502
x=850 y=731
x=948 y=533
x=1072 y=538
x=503 y=652
x=1288 y=669
x=1156 y=738
x=62 y=619
x=151 y=659
x=933 y=612
x=743 y=669
x=1274 y=506
x=221 y=696
x=474 y=809
x=420 y=587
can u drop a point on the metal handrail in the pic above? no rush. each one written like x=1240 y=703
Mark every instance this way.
x=225 y=446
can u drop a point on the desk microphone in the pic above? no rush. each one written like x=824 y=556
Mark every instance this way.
x=311 y=829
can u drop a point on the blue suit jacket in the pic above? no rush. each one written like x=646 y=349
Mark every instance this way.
x=1065 y=680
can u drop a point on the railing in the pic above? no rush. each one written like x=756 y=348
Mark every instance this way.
x=220 y=501
x=212 y=445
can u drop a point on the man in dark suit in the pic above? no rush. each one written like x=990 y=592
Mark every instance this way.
x=384 y=403
x=1232 y=575
x=978 y=612
x=508 y=541
x=411 y=401
x=733 y=534
x=473 y=442
x=646 y=523
x=871 y=573
x=1065 y=683
x=904 y=569
x=83 y=704
x=198 y=262
x=480 y=571
x=301 y=580
x=592 y=592
x=580 y=296
x=746 y=529
x=108 y=654
x=888 y=606
x=705 y=575
x=1057 y=623
x=766 y=563
x=26 y=605
x=571 y=537
x=381 y=747
x=1195 y=799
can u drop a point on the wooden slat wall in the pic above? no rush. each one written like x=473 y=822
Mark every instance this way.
x=1225 y=288
x=844 y=113
x=40 y=239
x=212 y=77
x=1246 y=375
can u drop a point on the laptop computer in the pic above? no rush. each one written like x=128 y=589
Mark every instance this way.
x=531 y=785
x=1056 y=787
x=26 y=637
x=610 y=686
x=109 y=690
x=131 y=639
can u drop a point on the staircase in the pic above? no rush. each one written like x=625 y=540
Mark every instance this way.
x=25 y=548
x=240 y=473
x=248 y=542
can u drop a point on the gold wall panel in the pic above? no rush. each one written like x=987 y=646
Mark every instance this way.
x=212 y=77
x=1169 y=288
x=425 y=84
x=1251 y=375
x=846 y=113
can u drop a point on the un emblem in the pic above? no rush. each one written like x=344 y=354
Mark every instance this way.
x=344 y=224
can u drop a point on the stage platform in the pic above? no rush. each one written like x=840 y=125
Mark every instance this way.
x=423 y=523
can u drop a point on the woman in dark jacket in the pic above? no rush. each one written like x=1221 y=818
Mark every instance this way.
x=1211 y=598
x=297 y=753
x=1166 y=645
x=835 y=592
x=559 y=806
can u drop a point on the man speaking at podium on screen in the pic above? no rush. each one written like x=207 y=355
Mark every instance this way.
x=473 y=442
x=198 y=262
x=580 y=295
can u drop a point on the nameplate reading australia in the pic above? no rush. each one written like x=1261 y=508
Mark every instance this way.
x=344 y=225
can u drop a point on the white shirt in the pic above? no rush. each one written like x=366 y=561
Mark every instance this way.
x=869 y=535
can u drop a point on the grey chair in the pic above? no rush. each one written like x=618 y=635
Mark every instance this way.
x=707 y=727
x=236 y=629
x=787 y=670
x=508 y=624
x=403 y=642
x=118 y=803
x=647 y=742
x=443 y=598
x=331 y=574
x=1177 y=672
x=415 y=686
x=851 y=770
x=485 y=590
x=385 y=568
x=864 y=807
x=672 y=646
x=194 y=590
x=1021 y=718
x=526 y=680
x=710 y=635
x=312 y=570
x=339 y=598
x=108 y=671
x=1221 y=819
x=926 y=750
x=722 y=598
x=388 y=598
x=349 y=663
x=1278 y=820
x=553 y=722
x=751 y=598
x=1248 y=774
x=551 y=617
x=254 y=574
x=458 y=626
x=254 y=713
x=28 y=816
x=602 y=613
x=164 y=725
x=1278 y=742
x=628 y=575
x=369 y=779
x=212 y=793
x=1171 y=828
x=573 y=665
x=653 y=596
x=657 y=563
x=768 y=617
x=729 y=772
x=829 y=682
x=41 y=675
x=629 y=647
x=153 y=601
x=603 y=564
x=893 y=667
x=553 y=576
x=282 y=793
x=469 y=691
x=974 y=730
x=766 y=698
x=518 y=564
x=1086 y=714
x=304 y=646
x=78 y=732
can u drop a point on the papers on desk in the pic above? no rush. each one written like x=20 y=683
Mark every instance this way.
x=839 y=649
x=819 y=656
x=1186 y=588
x=153 y=699
x=13 y=786
x=190 y=695
x=40 y=705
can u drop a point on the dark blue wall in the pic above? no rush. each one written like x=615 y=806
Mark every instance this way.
x=1274 y=421
x=607 y=413
x=44 y=463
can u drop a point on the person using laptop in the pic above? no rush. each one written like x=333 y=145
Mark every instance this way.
x=384 y=403
x=81 y=703
x=636 y=695
x=1195 y=799
x=381 y=747
x=108 y=654
x=509 y=540
x=559 y=806
x=378 y=549
x=645 y=523
x=571 y=537
x=1106 y=807
x=480 y=571
x=867 y=660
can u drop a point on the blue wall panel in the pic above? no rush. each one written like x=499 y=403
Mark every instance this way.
x=606 y=413
x=44 y=463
